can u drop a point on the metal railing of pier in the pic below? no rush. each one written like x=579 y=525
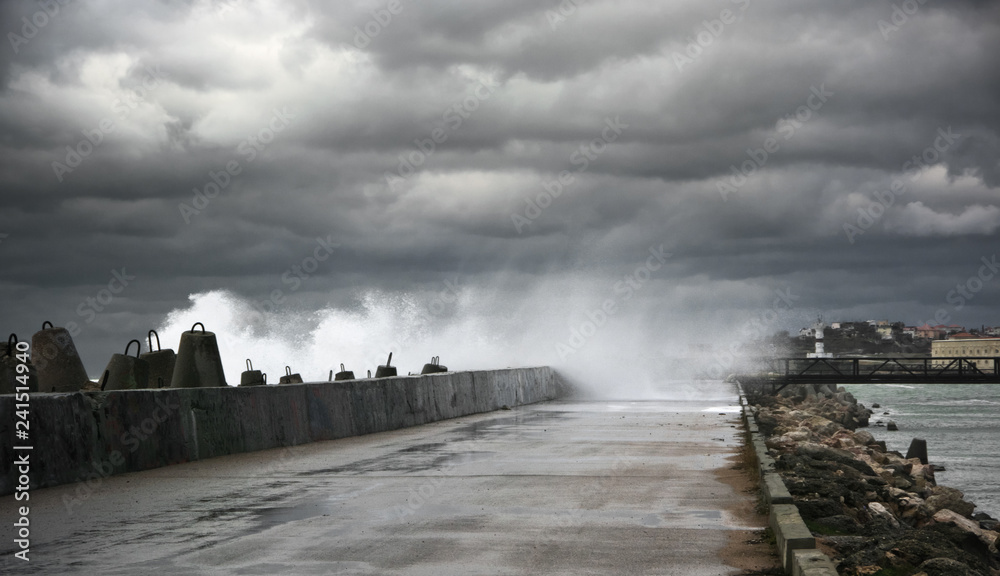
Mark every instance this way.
x=878 y=370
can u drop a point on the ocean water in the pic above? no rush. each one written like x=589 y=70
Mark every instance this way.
x=961 y=423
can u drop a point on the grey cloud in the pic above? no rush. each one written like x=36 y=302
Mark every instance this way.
x=227 y=66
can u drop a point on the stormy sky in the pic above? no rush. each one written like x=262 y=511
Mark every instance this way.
x=325 y=181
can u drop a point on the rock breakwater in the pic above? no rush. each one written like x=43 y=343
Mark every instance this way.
x=875 y=512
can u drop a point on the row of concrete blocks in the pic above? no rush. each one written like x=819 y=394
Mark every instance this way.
x=55 y=365
x=796 y=544
x=85 y=436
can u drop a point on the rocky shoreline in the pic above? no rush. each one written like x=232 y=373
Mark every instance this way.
x=875 y=512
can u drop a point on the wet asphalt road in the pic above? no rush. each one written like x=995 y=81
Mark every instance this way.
x=555 y=488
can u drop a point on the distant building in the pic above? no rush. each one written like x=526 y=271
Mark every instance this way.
x=885 y=332
x=966 y=347
x=950 y=328
x=930 y=332
x=910 y=331
x=882 y=323
x=963 y=336
x=834 y=325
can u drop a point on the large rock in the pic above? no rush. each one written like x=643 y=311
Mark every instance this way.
x=971 y=526
x=823 y=452
x=812 y=508
x=825 y=390
x=946 y=567
x=822 y=426
x=918 y=546
x=880 y=512
x=945 y=498
x=780 y=443
x=840 y=524
x=913 y=509
x=864 y=438
x=800 y=434
x=766 y=422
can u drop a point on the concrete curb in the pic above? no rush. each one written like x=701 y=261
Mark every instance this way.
x=796 y=544
x=84 y=436
x=812 y=563
x=790 y=532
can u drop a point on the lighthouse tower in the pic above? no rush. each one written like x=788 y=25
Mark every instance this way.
x=818 y=331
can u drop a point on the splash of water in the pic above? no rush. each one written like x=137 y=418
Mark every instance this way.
x=639 y=352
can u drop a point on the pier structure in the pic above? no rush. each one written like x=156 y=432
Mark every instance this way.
x=781 y=372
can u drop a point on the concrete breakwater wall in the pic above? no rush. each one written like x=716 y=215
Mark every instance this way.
x=77 y=435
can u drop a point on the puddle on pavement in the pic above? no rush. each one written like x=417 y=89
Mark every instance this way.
x=424 y=447
x=431 y=456
x=637 y=407
x=271 y=517
x=699 y=518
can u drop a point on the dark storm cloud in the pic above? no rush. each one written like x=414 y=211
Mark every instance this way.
x=430 y=141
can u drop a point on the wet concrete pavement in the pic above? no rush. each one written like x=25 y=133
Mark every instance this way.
x=556 y=488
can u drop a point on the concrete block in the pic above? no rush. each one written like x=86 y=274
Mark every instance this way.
x=445 y=399
x=368 y=405
x=918 y=449
x=775 y=491
x=812 y=563
x=142 y=429
x=329 y=410
x=790 y=532
x=399 y=394
x=764 y=459
x=501 y=390
x=61 y=426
